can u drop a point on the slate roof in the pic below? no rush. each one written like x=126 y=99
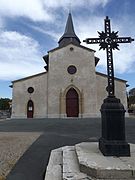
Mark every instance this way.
x=69 y=35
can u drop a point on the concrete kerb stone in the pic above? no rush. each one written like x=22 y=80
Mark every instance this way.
x=71 y=169
x=63 y=165
x=54 y=168
x=94 y=164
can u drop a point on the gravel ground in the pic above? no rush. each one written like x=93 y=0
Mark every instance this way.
x=12 y=147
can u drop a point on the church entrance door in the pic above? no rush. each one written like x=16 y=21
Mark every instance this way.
x=30 y=109
x=72 y=103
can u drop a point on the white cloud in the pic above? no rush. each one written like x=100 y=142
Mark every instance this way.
x=32 y=9
x=1 y=23
x=42 y=10
x=74 y=4
x=125 y=59
x=54 y=35
x=20 y=56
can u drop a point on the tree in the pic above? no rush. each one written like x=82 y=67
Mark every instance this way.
x=4 y=103
x=132 y=92
x=131 y=100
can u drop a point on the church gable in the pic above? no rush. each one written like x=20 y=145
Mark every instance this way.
x=71 y=55
x=71 y=66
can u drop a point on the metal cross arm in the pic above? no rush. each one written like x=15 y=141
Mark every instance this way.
x=109 y=40
x=93 y=40
x=115 y=40
x=105 y=41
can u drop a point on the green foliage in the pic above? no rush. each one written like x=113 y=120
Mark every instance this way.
x=131 y=100
x=4 y=103
x=132 y=92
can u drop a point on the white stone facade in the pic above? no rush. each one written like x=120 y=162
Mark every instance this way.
x=21 y=96
x=50 y=88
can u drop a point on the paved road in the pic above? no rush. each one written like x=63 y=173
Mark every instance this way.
x=55 y=133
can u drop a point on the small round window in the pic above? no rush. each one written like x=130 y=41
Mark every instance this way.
x=30 y=90
x=71 y=69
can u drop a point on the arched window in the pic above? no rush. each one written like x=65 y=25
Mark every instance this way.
x=30 y=109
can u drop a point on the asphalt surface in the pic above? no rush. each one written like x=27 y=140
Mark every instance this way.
x=55 y=133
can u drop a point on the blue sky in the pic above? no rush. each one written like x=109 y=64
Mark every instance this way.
x=28 y=29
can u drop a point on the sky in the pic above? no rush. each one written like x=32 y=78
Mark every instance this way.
x=30 y=28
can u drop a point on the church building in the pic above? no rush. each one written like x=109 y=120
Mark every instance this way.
x=69 y=87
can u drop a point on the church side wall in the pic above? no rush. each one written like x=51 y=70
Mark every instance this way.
x=84 y=80
x=120 y=91
x=21 y=97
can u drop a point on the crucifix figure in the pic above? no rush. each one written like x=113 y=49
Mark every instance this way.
x=113 y=141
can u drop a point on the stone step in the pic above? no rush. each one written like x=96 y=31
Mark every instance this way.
x=84 y=161
x=54 y=168
x=63 y=165
x=71 y=169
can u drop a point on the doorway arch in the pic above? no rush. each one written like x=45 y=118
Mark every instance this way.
x=30 y=109
x=72 y=103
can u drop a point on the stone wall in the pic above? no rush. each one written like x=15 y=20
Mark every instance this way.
x=21 y=96
x=59 y=80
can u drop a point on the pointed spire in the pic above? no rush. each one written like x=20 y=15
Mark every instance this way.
x=69 y=35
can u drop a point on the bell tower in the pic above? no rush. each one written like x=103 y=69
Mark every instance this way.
x=69 y=35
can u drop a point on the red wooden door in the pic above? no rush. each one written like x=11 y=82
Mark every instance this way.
x=30 y=109
x=72 y=103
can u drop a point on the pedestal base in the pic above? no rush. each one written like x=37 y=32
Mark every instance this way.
x=114 y=148
x=113 y=140
x=97 y=166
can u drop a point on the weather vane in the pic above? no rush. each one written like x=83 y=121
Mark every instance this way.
x=110 y=41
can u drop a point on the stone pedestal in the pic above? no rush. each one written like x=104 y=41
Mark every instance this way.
x=97 y=166
x=113 y=141
x=85 y=161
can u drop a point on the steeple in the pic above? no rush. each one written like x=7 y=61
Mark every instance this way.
x=69 y=35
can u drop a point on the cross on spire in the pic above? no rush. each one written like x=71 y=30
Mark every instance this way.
x=110 y=41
